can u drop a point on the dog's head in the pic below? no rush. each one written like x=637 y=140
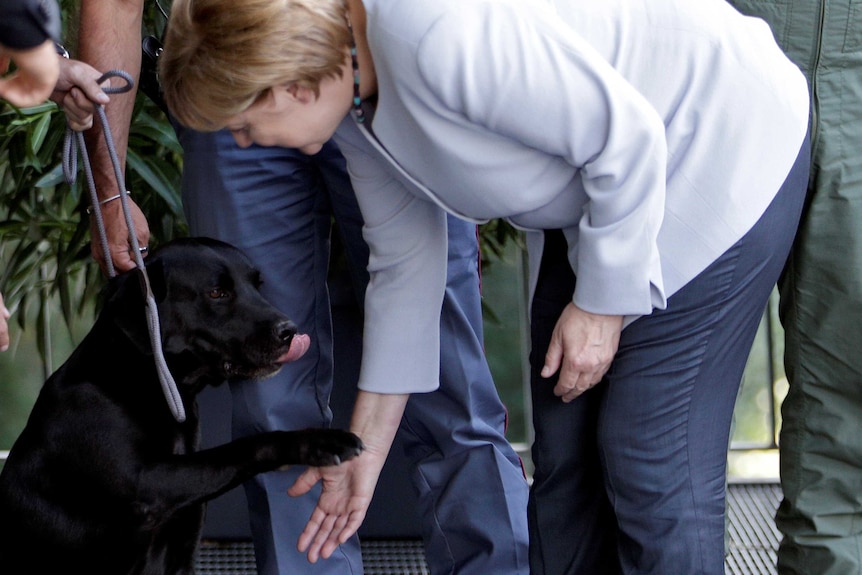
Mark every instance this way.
x=215 y=324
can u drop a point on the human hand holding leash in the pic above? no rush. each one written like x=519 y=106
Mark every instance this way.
x=582 y=348
x=118 y=235
x=77 y=91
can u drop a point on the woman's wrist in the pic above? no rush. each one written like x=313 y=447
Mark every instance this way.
x=376 y=417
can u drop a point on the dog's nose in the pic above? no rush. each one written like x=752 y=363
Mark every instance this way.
x=284 y=330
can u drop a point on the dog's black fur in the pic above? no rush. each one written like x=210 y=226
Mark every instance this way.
x=103 y=480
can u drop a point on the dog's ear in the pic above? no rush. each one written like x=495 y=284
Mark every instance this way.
x=125 y=304
x=156 y=275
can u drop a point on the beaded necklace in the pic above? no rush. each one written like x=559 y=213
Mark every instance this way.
x=357 y=100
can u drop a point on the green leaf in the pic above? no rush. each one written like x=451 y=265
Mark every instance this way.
x=40 y=130
x=51 y=178
x=161 y=133
x=152 y=173
x=47 y=107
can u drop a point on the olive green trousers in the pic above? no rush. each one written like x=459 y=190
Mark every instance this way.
x=821 y=298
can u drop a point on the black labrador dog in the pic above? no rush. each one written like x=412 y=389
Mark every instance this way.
x=103 y=480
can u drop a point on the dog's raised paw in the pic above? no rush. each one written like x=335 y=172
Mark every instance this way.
x=324 y=447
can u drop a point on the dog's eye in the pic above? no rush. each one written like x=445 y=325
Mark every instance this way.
x=218 y=293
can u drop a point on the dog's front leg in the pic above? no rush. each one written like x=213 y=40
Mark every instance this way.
x=193 y=478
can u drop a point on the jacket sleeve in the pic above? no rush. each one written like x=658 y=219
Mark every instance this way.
x=514 y=69
x=407 y=237
x=26 y=24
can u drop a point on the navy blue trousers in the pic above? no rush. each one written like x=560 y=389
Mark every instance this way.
x=630 y=477
x=278 y=205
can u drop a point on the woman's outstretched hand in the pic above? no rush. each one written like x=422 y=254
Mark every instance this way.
x=349 y=487
x=347 y=492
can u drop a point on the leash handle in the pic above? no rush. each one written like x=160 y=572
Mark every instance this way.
x=73 y=142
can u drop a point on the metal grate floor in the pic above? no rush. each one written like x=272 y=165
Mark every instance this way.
x=753 y=537
x=752 y=541
x=379 y=557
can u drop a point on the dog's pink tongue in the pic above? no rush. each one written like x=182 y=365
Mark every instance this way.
x=298 y=346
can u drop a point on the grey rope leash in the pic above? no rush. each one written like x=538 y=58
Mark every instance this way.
x=73 y=142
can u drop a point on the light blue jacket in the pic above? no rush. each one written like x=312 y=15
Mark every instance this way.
x=653 y=132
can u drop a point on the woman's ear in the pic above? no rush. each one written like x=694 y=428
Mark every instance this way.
x=300 y=93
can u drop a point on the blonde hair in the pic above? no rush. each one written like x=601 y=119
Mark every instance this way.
x=221 y=56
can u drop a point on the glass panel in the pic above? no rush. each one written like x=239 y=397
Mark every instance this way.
x=505 y=291
x=22 y=375
x=753 y=447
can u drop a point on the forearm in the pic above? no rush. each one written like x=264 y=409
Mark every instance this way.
x=110 y=39
x=376 y=417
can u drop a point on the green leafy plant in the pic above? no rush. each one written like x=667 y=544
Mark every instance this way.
x=44 y=229
x=45 y=260
x=494 y=238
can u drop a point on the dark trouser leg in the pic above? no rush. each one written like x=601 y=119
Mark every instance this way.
x=471 y=485
x=572 y=527
x=273 y=204
x=662 y=421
